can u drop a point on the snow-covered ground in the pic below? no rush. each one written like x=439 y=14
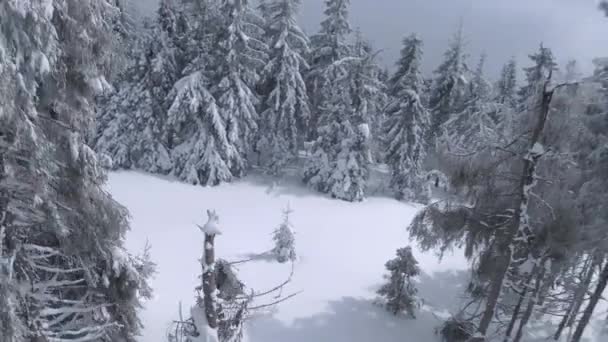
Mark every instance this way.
x=342 y=249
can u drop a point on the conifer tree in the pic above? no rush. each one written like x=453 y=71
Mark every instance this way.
x=479 y=88
x=512 y=235
x=368 y=91
x=506 y=88
x=284 y=238
x=449 y=87
x=131 y=128
x=341 y=155
x=202 y=152
x=543 y=65
x=592 y=197
x=400 y=291
x=286 y=107
x=328 y=46
x=239 y=55
x=407 y=124
x=64 y=272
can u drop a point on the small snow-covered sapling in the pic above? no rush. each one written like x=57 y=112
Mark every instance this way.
x=284 y=238
x=400 y=292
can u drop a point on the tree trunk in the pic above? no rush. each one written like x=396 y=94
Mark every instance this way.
x=577 y=302
x=209 y=281
x=595 y=298
x=7 y=315
x=517 y=309
x=532 y=301
x=519 y=219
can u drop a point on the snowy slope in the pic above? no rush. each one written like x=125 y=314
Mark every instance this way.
x=342 y=248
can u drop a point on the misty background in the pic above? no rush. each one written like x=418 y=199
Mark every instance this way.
x=573 y=29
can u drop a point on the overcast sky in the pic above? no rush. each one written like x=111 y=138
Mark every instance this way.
x=501 y=28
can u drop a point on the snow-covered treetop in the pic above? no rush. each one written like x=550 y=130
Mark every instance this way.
x=331 y=42
x=448 y=87
x=212 y=227
x=166 y=17
x=283 y=27
x=336 y=23
x=408 y=75
x=544 y=65
x=506 y=92
x=239 y=48
x=480 y=88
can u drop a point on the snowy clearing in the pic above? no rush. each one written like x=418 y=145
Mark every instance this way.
x=342 y=249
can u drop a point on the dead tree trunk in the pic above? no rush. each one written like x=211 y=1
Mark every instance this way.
x=209 y=281
x=595 y=298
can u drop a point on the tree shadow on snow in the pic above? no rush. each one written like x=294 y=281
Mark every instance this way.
x=347 y=320
x=268 y=256
x=361 y=320
x=289 y=184
x=443 y=291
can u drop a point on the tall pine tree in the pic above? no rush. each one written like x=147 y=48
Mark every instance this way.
x=328 y=46
x=407 y=124
x=368 y=91
x=239 y=55
x=341 y=153
x=506 y=87
x=131 y=128
x=286 y=108
x=479 y=87
x=449 y=88
x=340 y=162
x=543 y=65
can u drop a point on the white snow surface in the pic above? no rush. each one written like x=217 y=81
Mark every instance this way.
x=342 y=249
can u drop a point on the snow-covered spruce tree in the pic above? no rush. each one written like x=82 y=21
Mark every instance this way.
x=131 y=122
x=368 y=92
x=285 y=239
x=127 y=31
x=543 y=65
x=328 y=46
x=506 y=87
x=407 y=124
x=239 y=54
x=399 y=293
x=341 y=152
x=480 y=88
x=202 y=153
x=196 y=24
x=286 y=114
x=340 y=162
x=449 y=88
x=65 y=274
